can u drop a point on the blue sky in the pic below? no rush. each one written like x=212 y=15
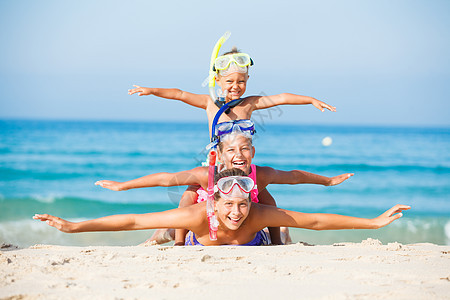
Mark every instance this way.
x=379 y=62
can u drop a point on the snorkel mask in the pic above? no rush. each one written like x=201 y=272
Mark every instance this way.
x=227 y=129
x=232 y=63
x=234 y=187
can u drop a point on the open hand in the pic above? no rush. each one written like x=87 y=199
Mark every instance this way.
x=321 y=105
x=58 y=223
x=390 y=215
x=339 y=179
x=143 y=91
x=111 y=185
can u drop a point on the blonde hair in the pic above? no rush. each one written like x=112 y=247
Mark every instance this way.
x=234 y=50
x=233 y=135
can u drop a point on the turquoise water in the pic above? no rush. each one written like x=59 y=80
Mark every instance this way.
x=51 y=167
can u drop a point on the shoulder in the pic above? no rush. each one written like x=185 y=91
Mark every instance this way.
x=264 y=170
x=264 y=176
x=200 y=171
x=259 y=214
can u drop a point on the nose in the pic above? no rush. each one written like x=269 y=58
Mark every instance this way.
x=236 y=209
x=238 y=153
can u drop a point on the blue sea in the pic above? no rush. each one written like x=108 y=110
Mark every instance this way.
x=51 y=166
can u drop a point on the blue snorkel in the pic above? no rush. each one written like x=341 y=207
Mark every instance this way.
x=224 y=108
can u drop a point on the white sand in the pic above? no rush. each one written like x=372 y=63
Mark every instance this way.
x=366 y=270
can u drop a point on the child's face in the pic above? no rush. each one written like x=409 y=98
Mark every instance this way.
x=234 y=83
x=237 y=152
x=232 y=212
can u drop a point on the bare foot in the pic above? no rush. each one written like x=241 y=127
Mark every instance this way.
x=285 y=236
x=161 y=236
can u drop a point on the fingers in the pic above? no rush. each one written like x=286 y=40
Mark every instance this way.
x=329 y=107
x=340 y=178
x=50 y=220
x=397 y=209
x=42 y=217
x=108 y=184
x=135 y=90
x=321 y=105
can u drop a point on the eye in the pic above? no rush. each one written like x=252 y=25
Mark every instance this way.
x=243 y=205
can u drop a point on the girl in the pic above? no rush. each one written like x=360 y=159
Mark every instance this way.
x=240 y=220
x=231 y=75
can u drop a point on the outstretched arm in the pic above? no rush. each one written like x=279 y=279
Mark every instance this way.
x=273 y=176
x=175 y=94
x=279 y=217
x=185 y=217
x=290 y=99
x=196 y=176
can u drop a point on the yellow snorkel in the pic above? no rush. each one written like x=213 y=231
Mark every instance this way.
x=212 y=74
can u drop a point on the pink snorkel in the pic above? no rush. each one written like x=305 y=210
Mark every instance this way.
x=212 y=219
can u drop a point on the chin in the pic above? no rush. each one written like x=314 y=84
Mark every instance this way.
x=231 y=225
x=245 y=167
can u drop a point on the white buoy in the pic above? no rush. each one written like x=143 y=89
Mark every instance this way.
x=327 y=141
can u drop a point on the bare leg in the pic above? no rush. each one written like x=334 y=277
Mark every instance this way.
x=160 y=236
x=285 y=236
x=266 y=198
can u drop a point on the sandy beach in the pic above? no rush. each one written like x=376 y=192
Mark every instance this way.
x=366 y=270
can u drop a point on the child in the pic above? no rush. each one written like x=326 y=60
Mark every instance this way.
x=241 y=221
x=232 y=76
x=235 y=150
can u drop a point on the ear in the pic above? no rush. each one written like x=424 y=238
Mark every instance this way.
x=219 y=155
x=253 y=148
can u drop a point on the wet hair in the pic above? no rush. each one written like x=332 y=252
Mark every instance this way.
x=227 y=173
x=230 y=135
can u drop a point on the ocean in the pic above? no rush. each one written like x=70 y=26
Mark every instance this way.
x=51 y=166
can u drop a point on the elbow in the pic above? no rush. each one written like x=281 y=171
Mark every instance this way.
x=316 y=225
x=285 y=98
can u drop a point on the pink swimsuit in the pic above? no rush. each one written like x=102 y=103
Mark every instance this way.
x=203 y=195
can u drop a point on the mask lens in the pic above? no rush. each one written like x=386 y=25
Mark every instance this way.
x=222 y=62
x=227 y=184
x=224 y=128
x=245 y=124
x=242 y=60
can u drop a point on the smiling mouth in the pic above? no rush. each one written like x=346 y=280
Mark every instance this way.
x=234 y=220
x=238 y=163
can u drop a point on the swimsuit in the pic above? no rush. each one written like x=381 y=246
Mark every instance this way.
x=203 y=195
x=260 y=239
